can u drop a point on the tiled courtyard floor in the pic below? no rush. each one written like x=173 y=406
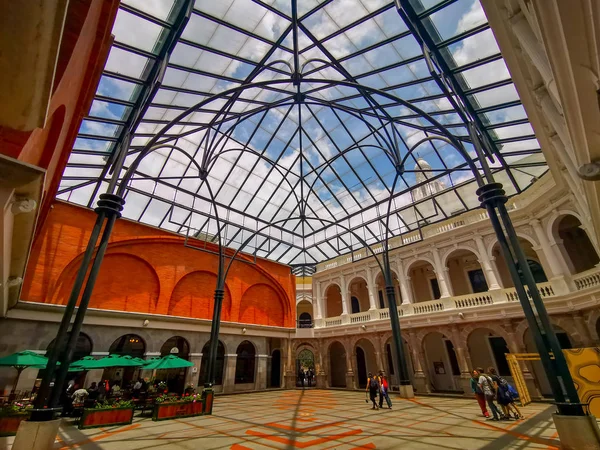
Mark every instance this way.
x=315 y=419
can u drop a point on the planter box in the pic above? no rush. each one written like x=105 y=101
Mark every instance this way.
x=177 y=410
x=95 y=417
x=10 y=424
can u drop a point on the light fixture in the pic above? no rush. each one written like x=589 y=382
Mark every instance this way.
x=243 y=330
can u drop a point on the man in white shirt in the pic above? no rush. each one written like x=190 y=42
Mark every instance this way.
x=487 y=387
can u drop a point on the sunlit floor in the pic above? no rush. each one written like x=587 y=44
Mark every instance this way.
x=315 y=419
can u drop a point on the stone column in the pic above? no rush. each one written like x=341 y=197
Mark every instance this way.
x=350 y=356
x=440 y=272
x=229 y=378
x=419 y=362
x=486 y=264
x=261 y=372
x=460 y=348
x=290 y=370
x=320 y=370
x=549 y=252
x=318 y=302
x=344 y=293
x=370 y=283
x=583 y=330
x=193 y=373
x=404 y=282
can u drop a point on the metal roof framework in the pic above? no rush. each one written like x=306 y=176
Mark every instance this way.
x=299 y=114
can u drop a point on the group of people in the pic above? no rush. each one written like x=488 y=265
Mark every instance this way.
x=377 y=385
x=489 y=387
x=306 y=375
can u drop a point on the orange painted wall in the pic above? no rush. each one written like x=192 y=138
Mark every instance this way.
x=150 y=271
x=85 y=44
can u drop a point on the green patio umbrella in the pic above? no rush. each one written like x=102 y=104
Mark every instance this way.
x=118 y=361
x=21 y=361
x=85 y=363
x=167 y=362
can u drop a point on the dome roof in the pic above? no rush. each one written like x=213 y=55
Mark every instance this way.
x=422 y=165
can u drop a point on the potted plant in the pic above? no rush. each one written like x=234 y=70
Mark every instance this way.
x=11 y=417
x=166 y=408
x=104 y=414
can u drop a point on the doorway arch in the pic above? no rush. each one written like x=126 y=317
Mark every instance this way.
x=245 y=363
x=219 y=365
x=337 y=365
x=276 y=369
x=365 y=361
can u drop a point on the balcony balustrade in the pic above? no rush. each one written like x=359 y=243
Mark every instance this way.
x=548 y=290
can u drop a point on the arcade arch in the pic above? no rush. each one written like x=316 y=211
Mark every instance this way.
x=442 y=364
x=487 y=349
x=465 y=272
x=574 y=244
x=337 y=364
x=423 y=281
x=366 y=361
x=539 y=275
x=381 y=300
x=333 y=301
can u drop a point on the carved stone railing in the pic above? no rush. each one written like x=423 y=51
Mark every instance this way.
x=589 y=278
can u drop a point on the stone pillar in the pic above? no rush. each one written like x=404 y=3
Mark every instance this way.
x=486 y=264
x=318 y=302
x=404 y=282
x=460 y=348
x=229 y=378
x=320 y=369
x=290 y=370
x=350 y=358
x=583 y=330
x=193 y=373
x=370 y=283
x=260 y=382
x=440 y=272
x=421 y=379
x=344 y=293
x=532 y=47
x=549 y=252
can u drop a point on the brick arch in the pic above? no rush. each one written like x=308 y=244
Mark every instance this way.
x=193 y=296
x=125 y=283
x=262 y=305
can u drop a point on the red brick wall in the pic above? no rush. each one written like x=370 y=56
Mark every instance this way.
x=149 y=270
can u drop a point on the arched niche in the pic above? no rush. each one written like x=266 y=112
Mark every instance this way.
x=487 y=349
x=442 y=363
x=262 y=305
x=245 y=363
x=366 y=361
x=193 y=296
x=465 y=273
x=539 y=275
x=359 y=295
x=574 y=244
x=333 y=301
x=337 y=365
x=304 y=313
x=381 y=300
x=219 y=366
x=125 y=283
x=423 y=281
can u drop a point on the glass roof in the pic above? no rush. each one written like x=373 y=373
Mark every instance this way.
x=299 y=112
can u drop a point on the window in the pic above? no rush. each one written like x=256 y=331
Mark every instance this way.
x=477 y=280
x=435 y=288
x=355 y=305
x=500 y=349
x=245 y=363
x=381 y=301
x=563 y=340
x=452 y=357
x=305 y=321
x=536 y=270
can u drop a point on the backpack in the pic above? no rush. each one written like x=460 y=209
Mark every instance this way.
x=373 y=384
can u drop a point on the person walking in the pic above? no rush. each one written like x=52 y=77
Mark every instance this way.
x=373 y=389
x=487 y=387
x=301 y=376
x=383 y=391
x=504 y=397
x=479 y=395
